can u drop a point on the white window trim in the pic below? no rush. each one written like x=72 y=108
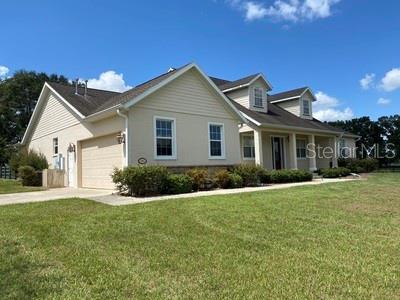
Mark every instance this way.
x=58 y=147
x=262 y=97
x=309 y=108
x=247 y=158
x=305 y=140
x=223 y=156
x=174 y=150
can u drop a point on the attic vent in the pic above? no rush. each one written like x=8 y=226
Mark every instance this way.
x=171 y=69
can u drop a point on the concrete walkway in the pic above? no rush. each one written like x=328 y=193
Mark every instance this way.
x=117 y=200
x=52 y=194
x=107 y=196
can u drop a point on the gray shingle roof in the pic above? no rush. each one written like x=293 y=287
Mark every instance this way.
x=287 y=94
x=85 y=105
x=99 y=100
x=227 y=84
x=278 y=116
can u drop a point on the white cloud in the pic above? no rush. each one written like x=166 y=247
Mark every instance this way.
x=286 y=10
x=254 y=11
x=368 y=81
x=3 y=71
x=383 y=101
x=326 y=108
x=391 y=80
x=110 y=81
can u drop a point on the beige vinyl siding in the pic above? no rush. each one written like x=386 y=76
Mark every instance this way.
x=54 y=117
x=323 y=162
x=187 y=94
x=193 y=104
x=241 y=96
x=351 y=143
x=67 y=132
x=292 y=106
x=99 y=157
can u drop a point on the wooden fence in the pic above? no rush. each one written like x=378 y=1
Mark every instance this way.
x=6 y=172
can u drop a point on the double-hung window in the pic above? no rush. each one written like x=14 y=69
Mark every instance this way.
x=248 y=147
x=164 y=132
x=258 y=97
x=216 y=143
x=343 y=149
x=55 y=146
x=301 y=150
x=306 y=108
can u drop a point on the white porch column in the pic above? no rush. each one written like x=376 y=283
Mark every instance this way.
x=258 y=148
x=335 y=154
x=292 y=150
x=312 y=155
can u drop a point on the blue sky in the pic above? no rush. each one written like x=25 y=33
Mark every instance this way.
x=329 y=45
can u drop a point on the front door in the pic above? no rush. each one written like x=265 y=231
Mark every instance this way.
x=277 y=153
x=71 y=165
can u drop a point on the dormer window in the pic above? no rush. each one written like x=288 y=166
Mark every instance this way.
x=258 y=97
x=306 y=108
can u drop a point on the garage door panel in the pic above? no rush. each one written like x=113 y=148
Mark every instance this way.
x=99 y=158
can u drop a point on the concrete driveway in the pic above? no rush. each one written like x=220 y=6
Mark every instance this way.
x=52 y=194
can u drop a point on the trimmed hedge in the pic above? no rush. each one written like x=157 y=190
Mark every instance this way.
x=227 y=180
x=201 y=179
x=287 y=176
x=156 y=180
x=141 y=180
x=250 y=174
x=335 y=172
x=179 y=184
x=29 y=176
x=359 y=165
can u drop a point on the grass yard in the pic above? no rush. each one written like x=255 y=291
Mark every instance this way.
x=9 y=186
x=334 y=241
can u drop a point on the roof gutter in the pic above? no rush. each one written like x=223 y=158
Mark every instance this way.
x=126 y=133
x=299 y=129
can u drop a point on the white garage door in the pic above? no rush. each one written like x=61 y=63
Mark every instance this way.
x=99 y=158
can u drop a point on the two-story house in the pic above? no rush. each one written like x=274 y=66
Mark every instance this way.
x=182 y=118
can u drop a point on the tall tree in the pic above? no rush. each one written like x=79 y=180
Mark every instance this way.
x=373 y=135
x=18 y=96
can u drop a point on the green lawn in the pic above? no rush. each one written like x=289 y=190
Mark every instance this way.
x=9 y=186
x=334 y=241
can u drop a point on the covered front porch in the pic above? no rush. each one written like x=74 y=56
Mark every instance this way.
x=280 y=149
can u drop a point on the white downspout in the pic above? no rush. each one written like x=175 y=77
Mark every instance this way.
x=125 y=116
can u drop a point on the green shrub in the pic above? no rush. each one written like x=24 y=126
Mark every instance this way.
x=29 y=176
x=201 y=179
x=265 y=176
x=286 y=176
x=141 y=180
x=250 y=174
x=179 y=184
x=236 y=181
x=227 y=180
x=335 y=172
x=29 y=158
x=359 y=165
x=119 y=179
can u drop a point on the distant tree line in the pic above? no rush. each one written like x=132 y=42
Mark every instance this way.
x=18 y=96
x=380 y=139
